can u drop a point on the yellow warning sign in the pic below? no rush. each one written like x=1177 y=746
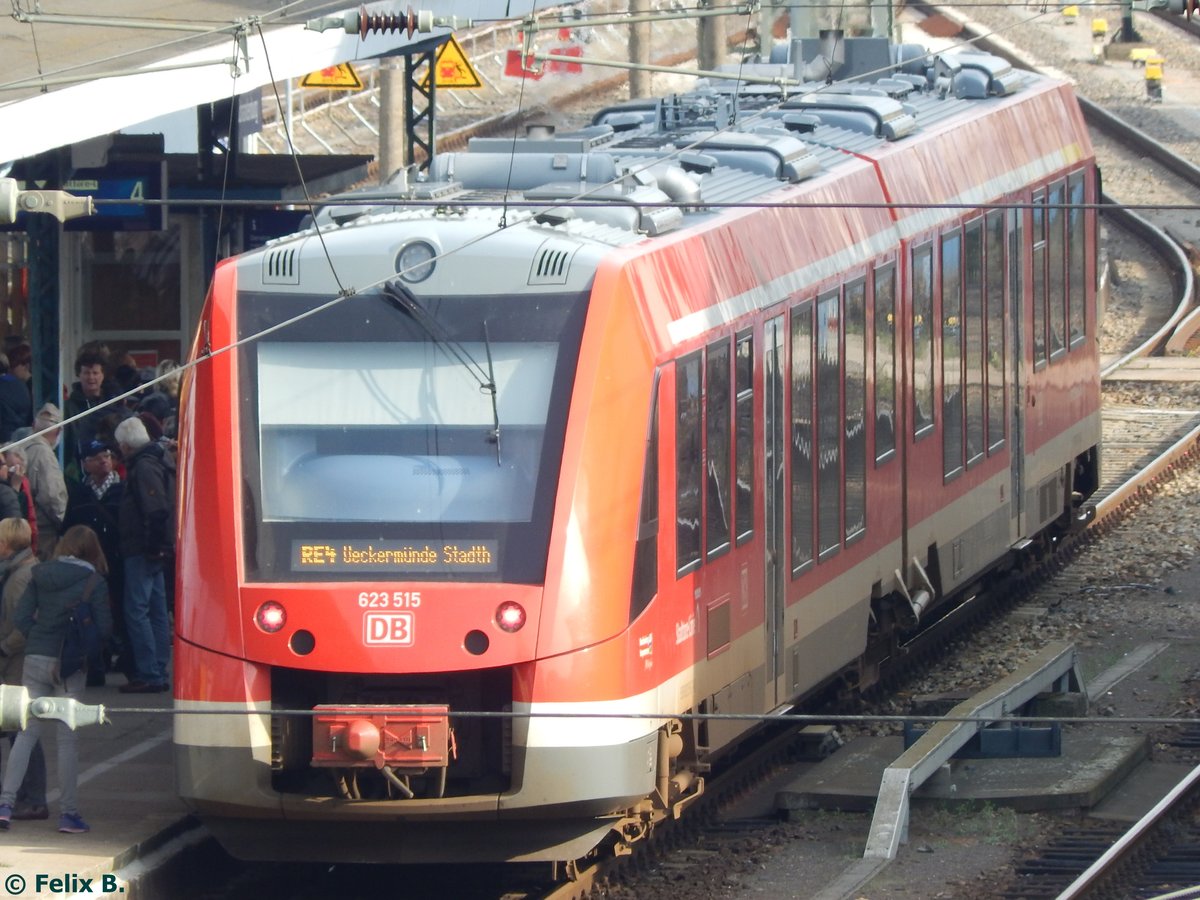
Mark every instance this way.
x=452 y=69
x=341 y=77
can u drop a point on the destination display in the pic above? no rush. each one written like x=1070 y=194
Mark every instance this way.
x=394 y=556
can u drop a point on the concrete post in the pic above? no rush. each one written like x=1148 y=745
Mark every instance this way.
x=391 y=118
x=711 y=42
x=639 y=49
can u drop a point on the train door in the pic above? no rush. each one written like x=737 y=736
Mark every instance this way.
x=1016 y=332
x=774 y=497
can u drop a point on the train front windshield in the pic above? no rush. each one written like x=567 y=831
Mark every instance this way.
x=373 y=445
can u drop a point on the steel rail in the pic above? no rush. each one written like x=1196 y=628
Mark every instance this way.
x=1129 y=842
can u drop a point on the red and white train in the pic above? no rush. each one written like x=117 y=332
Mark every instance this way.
x=757 y=383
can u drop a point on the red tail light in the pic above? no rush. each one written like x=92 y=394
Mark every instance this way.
x=510 y=616
x=271 y=617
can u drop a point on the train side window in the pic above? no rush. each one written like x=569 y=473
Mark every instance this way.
x=718 y=503
x=854 y=330
x=645 y=556
x=1076 y=259
x=744 y=437
x=688 y=463
x=885 y=363
x=952 y=339
x=1056 y=261
x=922 y=340
x=1040 y=356
x=802 y=438
x=829 y=424
x=974 y=348
x=994 y=315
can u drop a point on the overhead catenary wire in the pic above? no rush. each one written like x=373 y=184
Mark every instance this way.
x=217 y=28
x=378 y=199
x=789 y=718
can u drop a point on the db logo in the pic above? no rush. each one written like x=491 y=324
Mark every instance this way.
x=394 y=628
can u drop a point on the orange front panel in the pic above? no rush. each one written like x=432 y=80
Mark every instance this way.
x=390 y=627
x=205 y=676
x=209 y=471
x=591 y=550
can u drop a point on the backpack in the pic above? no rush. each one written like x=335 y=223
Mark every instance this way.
x=81 y=640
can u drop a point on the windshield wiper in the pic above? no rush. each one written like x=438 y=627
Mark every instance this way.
x=402 y=299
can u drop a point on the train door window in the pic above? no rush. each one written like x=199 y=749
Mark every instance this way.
x=952 y=338
x=1040 y=356
x=829 y=424
x=802 y=438
x=688 y=463
x=974 y=348
x=645 y=556
x=1076 y=258
x=744 y=438
x=1016 y=261
x=994 y=314
x=885 y=363
x=922 y=340
x=854 y=455
x=718 y=502
x=1056 y=260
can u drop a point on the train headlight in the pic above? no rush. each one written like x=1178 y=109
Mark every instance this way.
x=510 y=616
x=271 y=617
x=415 y=261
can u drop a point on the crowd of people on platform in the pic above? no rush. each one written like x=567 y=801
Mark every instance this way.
x=87 y=513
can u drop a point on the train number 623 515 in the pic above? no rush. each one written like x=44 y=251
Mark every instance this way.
x=389 y=599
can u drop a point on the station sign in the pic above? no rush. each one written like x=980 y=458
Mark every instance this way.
x=132 y=182
x=135 y=182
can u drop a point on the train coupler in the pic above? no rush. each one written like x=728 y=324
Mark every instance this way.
x=383 y=737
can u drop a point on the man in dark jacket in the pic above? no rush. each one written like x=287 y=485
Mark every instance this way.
x=86 y=394
x=16 y=409
x=147 y=528
x=96 y=502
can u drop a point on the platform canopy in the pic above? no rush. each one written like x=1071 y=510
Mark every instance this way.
x=47 y=44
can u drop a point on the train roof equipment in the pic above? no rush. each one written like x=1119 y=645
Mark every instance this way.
x=645 y=167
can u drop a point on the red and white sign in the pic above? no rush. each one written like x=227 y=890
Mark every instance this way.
x=393 y=629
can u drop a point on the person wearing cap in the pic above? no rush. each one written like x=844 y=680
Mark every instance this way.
x=95 y=501
x=46 y=478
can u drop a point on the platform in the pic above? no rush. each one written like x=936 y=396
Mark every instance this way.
x=1093 y=763
x=126 y=794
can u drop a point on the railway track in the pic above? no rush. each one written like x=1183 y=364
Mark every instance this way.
x=1188 y=24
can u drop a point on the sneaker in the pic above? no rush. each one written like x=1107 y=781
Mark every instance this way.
x=30 y=811
x=5 y=816
x=71 y=823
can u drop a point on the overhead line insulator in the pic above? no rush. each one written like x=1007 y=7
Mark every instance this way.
x=363 y=23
